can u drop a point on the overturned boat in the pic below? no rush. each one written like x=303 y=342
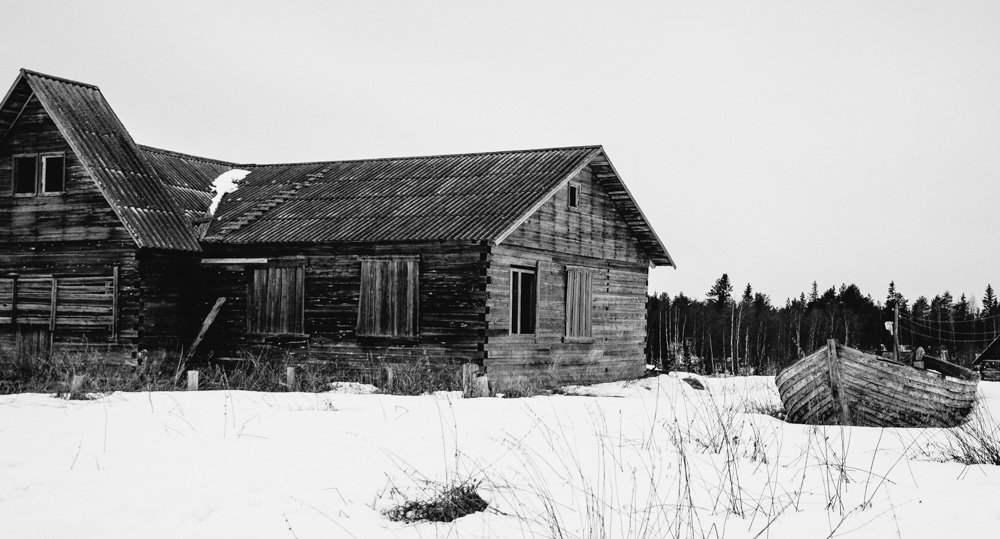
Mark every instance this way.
x=838 y=385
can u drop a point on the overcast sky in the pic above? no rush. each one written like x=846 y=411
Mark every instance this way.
x=779 y=142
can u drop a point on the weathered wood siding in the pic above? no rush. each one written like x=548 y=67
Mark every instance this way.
x=452 y=304
x=591 y=236
x=65 y=259
x=80 y=213
x=76 y=233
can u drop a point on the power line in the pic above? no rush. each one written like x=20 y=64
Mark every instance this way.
x=930 y=327
x=948 y=339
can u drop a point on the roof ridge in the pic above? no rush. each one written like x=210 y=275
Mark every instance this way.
x=434 y=156
x=154 y=149
x=25 y=71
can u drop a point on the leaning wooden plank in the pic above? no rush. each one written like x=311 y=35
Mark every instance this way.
x=201 y=335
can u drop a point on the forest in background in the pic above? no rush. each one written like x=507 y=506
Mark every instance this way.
x=747 y=334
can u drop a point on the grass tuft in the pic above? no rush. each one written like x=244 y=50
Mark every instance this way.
x=446 y=503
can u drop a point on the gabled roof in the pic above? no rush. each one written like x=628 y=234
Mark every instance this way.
x=109 y=154
x=187 y=178
x=475 y=197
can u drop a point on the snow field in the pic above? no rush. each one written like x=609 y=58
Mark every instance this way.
x=650 y=458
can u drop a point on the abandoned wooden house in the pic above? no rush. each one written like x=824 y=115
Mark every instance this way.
x=526 y=263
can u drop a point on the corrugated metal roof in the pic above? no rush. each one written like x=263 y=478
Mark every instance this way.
x=187 y=178
x=447 y=197
x=103 y=145
x=476 y=197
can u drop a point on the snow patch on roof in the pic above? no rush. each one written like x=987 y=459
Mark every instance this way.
x=227 y=182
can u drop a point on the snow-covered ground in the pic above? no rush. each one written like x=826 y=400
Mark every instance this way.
x=652 y=458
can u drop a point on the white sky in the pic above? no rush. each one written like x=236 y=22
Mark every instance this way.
x=781 y=142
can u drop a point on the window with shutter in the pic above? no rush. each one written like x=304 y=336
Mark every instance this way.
x=388 y=304
x=276 y=299
x=579 y=302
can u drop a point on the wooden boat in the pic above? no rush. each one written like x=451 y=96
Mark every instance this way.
x=838 y=385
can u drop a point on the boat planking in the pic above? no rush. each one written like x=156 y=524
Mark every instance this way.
x=838 y=385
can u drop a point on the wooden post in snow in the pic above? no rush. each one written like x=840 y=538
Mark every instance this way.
x=290 y=378
x=192 y=381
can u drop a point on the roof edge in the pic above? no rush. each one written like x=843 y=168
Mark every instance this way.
x=25 y=71
x=182 y=155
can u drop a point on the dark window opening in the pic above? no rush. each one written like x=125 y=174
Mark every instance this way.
x=276 y=300
x=24 y=175
x=522 y=301
x=388 y=304
x=574 y=196
x=53 y=174
x=579 y=302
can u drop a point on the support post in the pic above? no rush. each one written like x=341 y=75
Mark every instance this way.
x=192 y=381
x=290 y=378
x=13 y=301
x=114 y=304
x=895 y=332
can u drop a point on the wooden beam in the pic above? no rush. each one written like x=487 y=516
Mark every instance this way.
x=234 y=261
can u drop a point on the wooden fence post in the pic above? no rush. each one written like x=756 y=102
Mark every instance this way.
x=192 y=381
x=75 y=385
x=290 y=378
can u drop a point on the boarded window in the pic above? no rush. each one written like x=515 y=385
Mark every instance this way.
x=53 y=173
x=579 y=302
x=389 y=300
x=276 y=300
x=24 y=175
x=523 y=285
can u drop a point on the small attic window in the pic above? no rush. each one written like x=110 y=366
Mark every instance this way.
x=53 y=173
x=574 y=196
x=25 y=167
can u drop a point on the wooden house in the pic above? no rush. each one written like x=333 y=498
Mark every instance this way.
x=527 y=263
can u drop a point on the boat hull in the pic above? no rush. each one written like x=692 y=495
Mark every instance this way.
x=838 y=385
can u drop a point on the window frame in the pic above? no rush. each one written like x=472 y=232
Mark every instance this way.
x=515 y=317
x=374 y=301
x=573 y=196
x=13 y=175
x=43 y=176
x=579 y=298
x=297 y=264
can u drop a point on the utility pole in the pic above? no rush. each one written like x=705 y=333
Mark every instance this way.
x=895 y=333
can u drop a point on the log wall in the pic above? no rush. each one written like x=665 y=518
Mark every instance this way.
x=451 y=306
x=592 y=236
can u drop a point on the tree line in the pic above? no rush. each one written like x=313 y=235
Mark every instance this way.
x=747 y=334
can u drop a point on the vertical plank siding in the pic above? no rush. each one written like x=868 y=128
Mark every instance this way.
x=593 y=238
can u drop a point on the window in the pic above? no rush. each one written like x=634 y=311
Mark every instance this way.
x=53 y=173
x=574 y=196
x=276 y=299
x=522 y=300
x=30 y=178
x=24 y=174
x=579 y=302
x=389 y=300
